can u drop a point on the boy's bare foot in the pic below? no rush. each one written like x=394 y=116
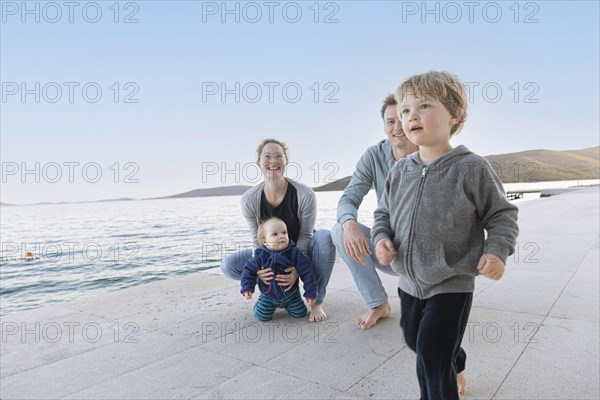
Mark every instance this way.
x=461 y=380
x=316 y=313
x=370 y=318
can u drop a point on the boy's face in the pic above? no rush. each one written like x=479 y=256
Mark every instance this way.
x=276 y=236
x=425 y=121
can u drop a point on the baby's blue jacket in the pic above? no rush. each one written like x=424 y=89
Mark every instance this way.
x=278 y=262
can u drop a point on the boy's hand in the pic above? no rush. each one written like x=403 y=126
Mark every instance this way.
x=491 y=266
x=385 y=251
x=248 y=295
x=311 y=302
x=287 y=279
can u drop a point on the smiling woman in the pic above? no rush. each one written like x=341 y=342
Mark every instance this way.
x=296 y=205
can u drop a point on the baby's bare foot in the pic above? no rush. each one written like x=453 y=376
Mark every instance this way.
x=316 y=313
x=461 y=380
x=370 y=318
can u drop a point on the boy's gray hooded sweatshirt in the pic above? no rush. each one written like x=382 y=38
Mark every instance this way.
x=436 y=216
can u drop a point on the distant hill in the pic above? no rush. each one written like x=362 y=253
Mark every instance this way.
x=217 y=191
x=529 y=166
x=340 y=184
x=48 y=203
x=121 y=199
x=525 y=166
x=547 y=165
x=86 y=201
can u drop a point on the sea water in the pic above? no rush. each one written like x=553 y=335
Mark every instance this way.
x=55 y=253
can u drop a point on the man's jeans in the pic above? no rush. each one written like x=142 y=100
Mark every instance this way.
x=365 y=276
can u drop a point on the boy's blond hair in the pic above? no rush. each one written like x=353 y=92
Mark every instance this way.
x=260 y=233
x=441 y=86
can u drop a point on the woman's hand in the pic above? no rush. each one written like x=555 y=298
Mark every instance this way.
x=287 y=279
x=265 y=274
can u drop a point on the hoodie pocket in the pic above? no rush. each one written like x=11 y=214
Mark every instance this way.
x=433 y=274
x=429 y=262
x=398 y=264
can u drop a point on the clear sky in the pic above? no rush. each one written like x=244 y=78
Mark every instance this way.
x=152 y=98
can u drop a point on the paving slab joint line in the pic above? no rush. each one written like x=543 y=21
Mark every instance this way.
x=324 y=384
x=383 y=355
x=509 y=311
x=373 y=370
x=300 y=377
x=232 y=357
x=113 y=377
x=536 y=332
x=488 y=286
x=514 y=364
x=266 y=361
x=135 y=369
x=55 y=361
x=169 y=324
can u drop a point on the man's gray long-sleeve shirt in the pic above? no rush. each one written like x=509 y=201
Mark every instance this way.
x=371 y=170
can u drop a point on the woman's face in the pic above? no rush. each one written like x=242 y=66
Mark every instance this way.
x=273 y=162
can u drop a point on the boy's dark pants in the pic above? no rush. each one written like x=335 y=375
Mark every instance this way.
x=434 y=329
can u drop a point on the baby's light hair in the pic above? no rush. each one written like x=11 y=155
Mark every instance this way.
x=260 y=233
x=441 y=86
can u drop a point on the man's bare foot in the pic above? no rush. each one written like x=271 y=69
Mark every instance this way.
x=370 y=318
x=461 y=380
x=316 y=313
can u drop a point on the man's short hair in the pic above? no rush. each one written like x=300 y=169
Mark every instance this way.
x=388 y=101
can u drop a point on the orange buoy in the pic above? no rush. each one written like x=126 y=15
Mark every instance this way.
x=29 y=256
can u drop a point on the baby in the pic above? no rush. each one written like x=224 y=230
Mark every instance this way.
x=278 y=252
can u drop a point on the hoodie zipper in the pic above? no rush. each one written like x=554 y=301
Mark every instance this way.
x=409 y=266
x=272 y=267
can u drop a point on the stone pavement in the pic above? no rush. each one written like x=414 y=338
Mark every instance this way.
x=532 y=335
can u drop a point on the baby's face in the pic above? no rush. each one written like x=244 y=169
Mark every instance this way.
x=276 y=236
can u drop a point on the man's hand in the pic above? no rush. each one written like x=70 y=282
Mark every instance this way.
x=355 y=242
x=265 y=275
x=248 y=295
x=287 y=279
x=491 y=266
x=385 y=251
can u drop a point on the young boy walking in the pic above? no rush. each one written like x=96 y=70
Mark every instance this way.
x=430 y=225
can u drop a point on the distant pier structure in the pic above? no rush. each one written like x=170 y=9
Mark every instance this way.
x=515 y=195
